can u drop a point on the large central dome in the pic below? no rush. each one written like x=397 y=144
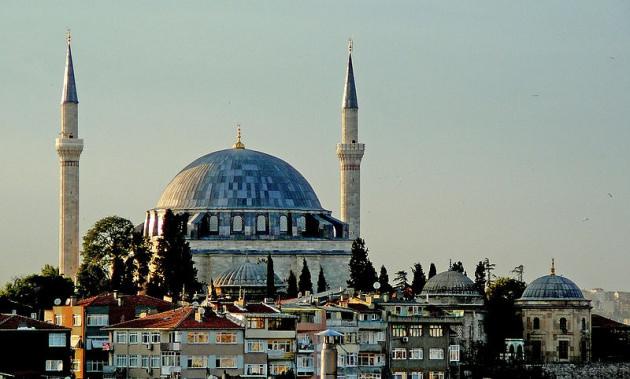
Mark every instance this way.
x=239 y=179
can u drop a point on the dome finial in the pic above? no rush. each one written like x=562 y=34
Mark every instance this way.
x=238 y=144
x=350 y=45
x=553 y=267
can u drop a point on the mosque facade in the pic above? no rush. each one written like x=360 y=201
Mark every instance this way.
x=243 y=205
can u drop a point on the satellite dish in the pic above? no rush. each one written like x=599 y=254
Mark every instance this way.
x=57 y=301
x=376 y=285
x=202 y=310
x=195 y=304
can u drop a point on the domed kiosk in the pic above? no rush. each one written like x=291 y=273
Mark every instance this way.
x=556 y=320
x=248 y=277
x=244 y=203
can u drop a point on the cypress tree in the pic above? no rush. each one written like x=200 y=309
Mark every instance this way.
x=419 y=280
x=432 y=271
x=383 y=279
x=321 y=281
x=480 y=277
x=292 y=289
x=305 y=283
x=362 y=272
x=271 y=275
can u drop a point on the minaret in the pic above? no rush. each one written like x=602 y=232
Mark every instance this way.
x=69 y=148
x=350 y=153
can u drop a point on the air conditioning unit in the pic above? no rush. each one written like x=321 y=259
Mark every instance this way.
x=405 y=339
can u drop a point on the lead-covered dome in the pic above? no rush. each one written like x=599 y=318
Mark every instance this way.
x=552 y=287
x=245 y=275
x=450 y=283
x=239 y=178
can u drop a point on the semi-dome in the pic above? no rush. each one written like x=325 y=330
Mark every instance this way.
x=245 y=275
x=239 y=178
x=552 y=287
x=450 y=283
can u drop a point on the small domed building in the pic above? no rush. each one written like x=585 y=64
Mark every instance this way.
x=457 y=295
x=248 y=279
x=556 y=320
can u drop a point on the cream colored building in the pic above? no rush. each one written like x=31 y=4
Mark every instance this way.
x=556 y=320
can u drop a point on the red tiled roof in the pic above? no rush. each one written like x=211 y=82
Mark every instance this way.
x=180 y=318
x=361 y=307
x=13 y=322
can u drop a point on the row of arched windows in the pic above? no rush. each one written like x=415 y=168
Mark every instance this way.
x=209 y=225
x=563 y=324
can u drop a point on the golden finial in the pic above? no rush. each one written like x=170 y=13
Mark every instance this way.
x=350 y=45
x=238 y=144
x=68 y=36
x=553 y=267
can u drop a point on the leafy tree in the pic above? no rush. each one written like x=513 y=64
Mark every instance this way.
x=174 y=272
x=383 y=279
x=271 y=276
x=480 y=277
x=305 y=283
x=362 y=272
x=91 y=279
x=502 y=320
x=432 y=271
x=141 y=248
x=401 y=280
x=419 y=279
x=39 y=290
x=322 y=286
x=458 y=266
x=292 y=288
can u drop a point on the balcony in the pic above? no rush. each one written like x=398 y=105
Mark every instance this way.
x=305 y=347
x=279 y=354
x=305 y=371
x=333 y=323
x=168 y=370
x=170 y=346
x=371 y=347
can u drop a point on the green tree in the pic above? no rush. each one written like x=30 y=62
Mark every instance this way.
x=480 y=278
x=458 y=266
x=432 y=271
x=92 y=279
x=174 y=273
x=383 y=280
x=419 y=279
x=39 y=290
x=401 y=280
x=502 y=320
x=305 y=283
x=271 y=278
x=292 y=288
x=362 y=272
x=322 y=286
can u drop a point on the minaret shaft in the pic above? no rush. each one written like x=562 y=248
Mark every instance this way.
x=69 y=148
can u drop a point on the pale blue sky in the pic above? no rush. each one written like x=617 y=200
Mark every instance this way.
x=493 y=129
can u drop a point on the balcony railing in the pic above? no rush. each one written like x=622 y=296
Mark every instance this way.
x=170 y=346
x=306 y=347
x=279 y=354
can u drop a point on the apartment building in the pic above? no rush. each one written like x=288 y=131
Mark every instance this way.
x=311 y=319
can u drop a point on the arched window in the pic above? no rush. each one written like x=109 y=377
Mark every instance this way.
x=563 y=324
x=536 y=323
x=213 y=224
x=237 y=224
x=301 y=223
x=202 y=228
x=261 y=223
x=284 y=227
x=583 y=323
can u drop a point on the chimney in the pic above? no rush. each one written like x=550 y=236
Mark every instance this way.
x=115 y=294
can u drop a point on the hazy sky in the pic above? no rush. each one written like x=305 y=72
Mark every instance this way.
x=493 y=129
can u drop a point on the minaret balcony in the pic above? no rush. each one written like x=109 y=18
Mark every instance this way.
x=350 y=150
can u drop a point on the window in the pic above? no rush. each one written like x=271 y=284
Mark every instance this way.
x=371 y=359
x=281 y=324
x=399 y=331
x=399 y=375
x=305 y=362
x=170 y=359
x=146 y=361
x=237 y=224
x=398 y=354
x=97 y=320
x=563 y=349
x=416 y=375
x=583 y=323
x=94 y=366
x=155 y=337
x=278 y=368
x=197 y=337
x=436 y=331
x=398 y=310
x=415 y=330
x=146 y=337
x=120 y=360
x=256 y=323
x=227 y=361
x=536 y=323
x=56 y=339
x=453 y=353
x=369 y=375
x=58 y=320
x=563 y=324
x=76 y=320
x=121 y=337
x=75 y=341
x=54 y=365
x=133 y=337
x=416 y=353
x=134 y=361
x=351 y=360
x=256 y=369
x=155 y=361
x=226 y=338
x=197 y=361
x=75 y=365
x=213 y=224
x=280 y=345
x=284 y=225
x=255 y=346
x=436 y=375
x=436 y=353
x=261 y=223
x=301 y=223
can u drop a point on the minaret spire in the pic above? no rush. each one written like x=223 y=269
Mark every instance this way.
x=69 y=148
x=350 y=152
